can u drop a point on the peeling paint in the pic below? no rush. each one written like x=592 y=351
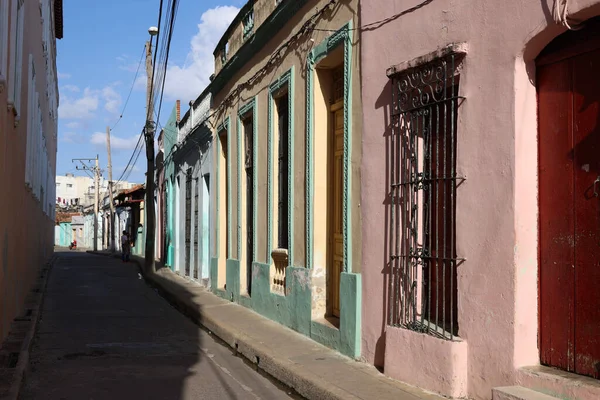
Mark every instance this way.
x=303 y=279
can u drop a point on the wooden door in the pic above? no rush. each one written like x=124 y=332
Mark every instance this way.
x=336 y=232
x=569 y=166
x=188 y=220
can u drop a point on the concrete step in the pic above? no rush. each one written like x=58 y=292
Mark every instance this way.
x=518 y=393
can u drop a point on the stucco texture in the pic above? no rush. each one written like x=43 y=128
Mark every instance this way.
x=496 y=207
x=26 y=236
x=294 y=308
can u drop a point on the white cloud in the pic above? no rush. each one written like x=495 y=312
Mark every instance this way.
x=71 y=137
x=73 y=125
x=79 y=108
x=116 y=142
x=63 y=76
x=71 y=88
x=112 y=99
x=187 y=81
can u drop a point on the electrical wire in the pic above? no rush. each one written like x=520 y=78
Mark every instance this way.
x=130 y=91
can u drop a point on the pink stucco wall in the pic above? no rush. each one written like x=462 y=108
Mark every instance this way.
x=496 y=206
x=26 y=232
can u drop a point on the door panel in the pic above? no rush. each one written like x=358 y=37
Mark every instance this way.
x=336 y=209
x=586 y=93
x=556 y=216
x=188 y=220
x=568 y=94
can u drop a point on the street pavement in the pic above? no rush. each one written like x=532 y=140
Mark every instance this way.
x=105 y=334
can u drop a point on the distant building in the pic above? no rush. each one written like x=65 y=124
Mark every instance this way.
x=74 y=190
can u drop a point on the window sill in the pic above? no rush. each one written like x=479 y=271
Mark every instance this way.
x=329 y=321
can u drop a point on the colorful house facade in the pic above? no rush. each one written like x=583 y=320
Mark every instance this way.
x=286 y=121
x=28 y=133
x=170 y=132
x=479 y=196
x=192 y=156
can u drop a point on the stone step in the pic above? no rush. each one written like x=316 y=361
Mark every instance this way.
x=518 y=393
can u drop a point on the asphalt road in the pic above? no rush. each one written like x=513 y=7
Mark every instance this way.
x=104 y=334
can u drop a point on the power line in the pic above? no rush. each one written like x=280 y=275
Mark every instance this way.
x=170 y=36
x=130 y=91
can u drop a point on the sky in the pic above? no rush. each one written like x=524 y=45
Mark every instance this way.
x=97 y=61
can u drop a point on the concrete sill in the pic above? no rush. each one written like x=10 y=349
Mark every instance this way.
x=555 y=382
x=330 y=322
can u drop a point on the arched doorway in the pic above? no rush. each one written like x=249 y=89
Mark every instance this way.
x=568 y=85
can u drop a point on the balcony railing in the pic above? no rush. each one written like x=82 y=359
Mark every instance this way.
x=198 y=114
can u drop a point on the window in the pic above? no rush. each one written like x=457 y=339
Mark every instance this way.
x=31 y=122
x=282 y=173
x=423 y=176
x=16 y=43
x=248 y=190
x=4 y=20
x=224 y=191
x=224 y=53
x=69 y=185
x=57 y=184
x=248 y=23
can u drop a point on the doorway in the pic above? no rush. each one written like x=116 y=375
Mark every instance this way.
x=336 y=187
x=569 y=201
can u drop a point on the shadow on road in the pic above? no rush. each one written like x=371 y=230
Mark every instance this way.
x=105 y=334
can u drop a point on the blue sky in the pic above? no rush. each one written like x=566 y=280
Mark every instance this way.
x=97 y=62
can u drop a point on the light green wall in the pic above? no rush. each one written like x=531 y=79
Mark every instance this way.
x=294 y=309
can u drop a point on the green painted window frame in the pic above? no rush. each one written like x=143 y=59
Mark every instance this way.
x=251 y=106
x=286 y=79
x=342 y=37
x=225 y=126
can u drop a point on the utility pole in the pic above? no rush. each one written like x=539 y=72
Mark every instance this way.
x=85 y=166
x=111 y=228
x=149 y=136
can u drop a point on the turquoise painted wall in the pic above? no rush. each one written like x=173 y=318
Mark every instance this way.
x=294 y=308
x=65 y=234
x=170 y=139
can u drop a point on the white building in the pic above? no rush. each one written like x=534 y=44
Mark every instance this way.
x=80 y=190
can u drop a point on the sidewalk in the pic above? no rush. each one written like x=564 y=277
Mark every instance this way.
x=313 y=370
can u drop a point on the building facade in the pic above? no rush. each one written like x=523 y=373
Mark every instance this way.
x=479 y=195
x=28 y=132
x=192 y=159
x=286 y=122
x=170 y=135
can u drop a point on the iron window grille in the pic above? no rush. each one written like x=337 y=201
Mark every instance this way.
x=224 y=53
x=188 y=219
x=282 y=206
x=248 y=166
x=196 y=227
x=248 y=23
x=423 y=181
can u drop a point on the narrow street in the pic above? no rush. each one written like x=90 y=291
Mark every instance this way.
x=105 y=334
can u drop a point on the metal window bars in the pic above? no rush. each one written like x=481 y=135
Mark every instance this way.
x=248 y=23
x=423 y=181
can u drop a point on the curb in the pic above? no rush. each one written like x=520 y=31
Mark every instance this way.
x=33 y=303
x=304 y=383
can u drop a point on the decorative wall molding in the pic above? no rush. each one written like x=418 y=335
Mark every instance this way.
x=250 y=106
x=225 y=126
x=287 y=78
x=340 y=37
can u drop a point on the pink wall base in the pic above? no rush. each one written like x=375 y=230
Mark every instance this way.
x=427 y=362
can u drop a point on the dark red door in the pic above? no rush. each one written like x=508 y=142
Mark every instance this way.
x=569 y=160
